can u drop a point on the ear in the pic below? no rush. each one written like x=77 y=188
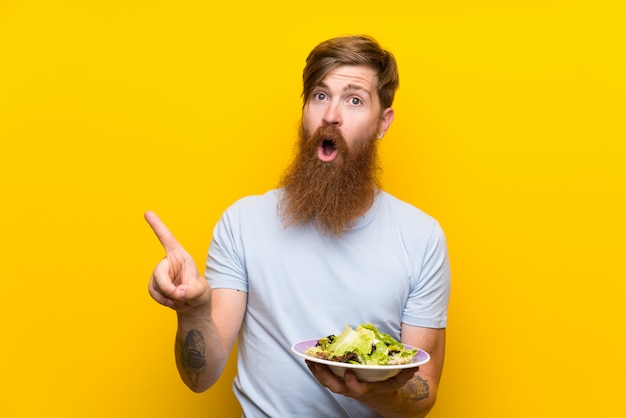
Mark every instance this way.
x=385 y=121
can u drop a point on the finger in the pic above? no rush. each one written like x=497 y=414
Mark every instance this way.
x=164 y=235
x=158 y=295
x=354 y=386
x=162 y=281
x=326 y=377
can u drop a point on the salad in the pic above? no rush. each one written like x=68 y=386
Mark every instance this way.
x=364 y=345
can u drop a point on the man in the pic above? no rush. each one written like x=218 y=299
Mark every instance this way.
x=326 y=249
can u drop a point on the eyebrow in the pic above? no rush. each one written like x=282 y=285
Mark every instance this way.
x=350 y=86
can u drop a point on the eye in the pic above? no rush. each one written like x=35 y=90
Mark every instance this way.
x=355 y=101
x=319 y=96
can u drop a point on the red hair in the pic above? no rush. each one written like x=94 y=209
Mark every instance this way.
x=352 y=50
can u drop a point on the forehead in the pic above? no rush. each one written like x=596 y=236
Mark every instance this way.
x=351 y=76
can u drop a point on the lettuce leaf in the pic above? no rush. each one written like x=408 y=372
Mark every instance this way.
x=364 y=345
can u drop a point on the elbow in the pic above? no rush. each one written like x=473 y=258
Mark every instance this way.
x=199 y=382
x=196 y=388
x=428 y=406
x=198 y=385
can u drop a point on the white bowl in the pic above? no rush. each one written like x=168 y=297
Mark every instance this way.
x=362 y=372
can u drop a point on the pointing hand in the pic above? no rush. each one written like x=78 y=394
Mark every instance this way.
x=176 y=282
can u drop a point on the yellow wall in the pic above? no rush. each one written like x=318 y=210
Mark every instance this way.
x=510 y=129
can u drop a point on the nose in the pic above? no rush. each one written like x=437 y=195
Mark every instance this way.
x=332 y=115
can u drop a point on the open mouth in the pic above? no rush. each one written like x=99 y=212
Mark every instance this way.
x=327 y=150
x=328 y=146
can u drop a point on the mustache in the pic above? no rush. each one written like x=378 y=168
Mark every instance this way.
x=324 y=133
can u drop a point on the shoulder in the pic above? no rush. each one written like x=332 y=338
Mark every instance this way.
x=252 y=212
x=405 y=212
x=255 y=203
x=413 y=225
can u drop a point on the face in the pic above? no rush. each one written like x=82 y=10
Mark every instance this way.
x=334 y=176
x=347 y=100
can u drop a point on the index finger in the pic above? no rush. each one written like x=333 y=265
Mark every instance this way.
x=164 y=235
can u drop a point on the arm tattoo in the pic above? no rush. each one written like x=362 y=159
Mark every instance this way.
x=415 y=389
x=191 y=354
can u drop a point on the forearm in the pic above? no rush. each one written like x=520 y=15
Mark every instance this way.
x=415 y=399
x=199 y=350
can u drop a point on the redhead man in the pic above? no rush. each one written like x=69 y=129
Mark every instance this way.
x=327 y=248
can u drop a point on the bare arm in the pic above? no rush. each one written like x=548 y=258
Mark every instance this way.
x=208 y=320
x=409 y=394
x=204 y=340
x=417 y=397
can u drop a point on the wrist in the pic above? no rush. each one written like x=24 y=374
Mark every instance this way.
x=200 y=313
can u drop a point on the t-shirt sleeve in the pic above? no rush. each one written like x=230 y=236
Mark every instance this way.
x=427 y=305
x=225 y=263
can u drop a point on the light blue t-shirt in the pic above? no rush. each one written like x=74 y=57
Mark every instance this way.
x=391 y=267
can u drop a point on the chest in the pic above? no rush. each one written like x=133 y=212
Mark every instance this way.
x=361 y=278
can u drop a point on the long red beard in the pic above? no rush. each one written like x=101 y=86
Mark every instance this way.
x=332 y=195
